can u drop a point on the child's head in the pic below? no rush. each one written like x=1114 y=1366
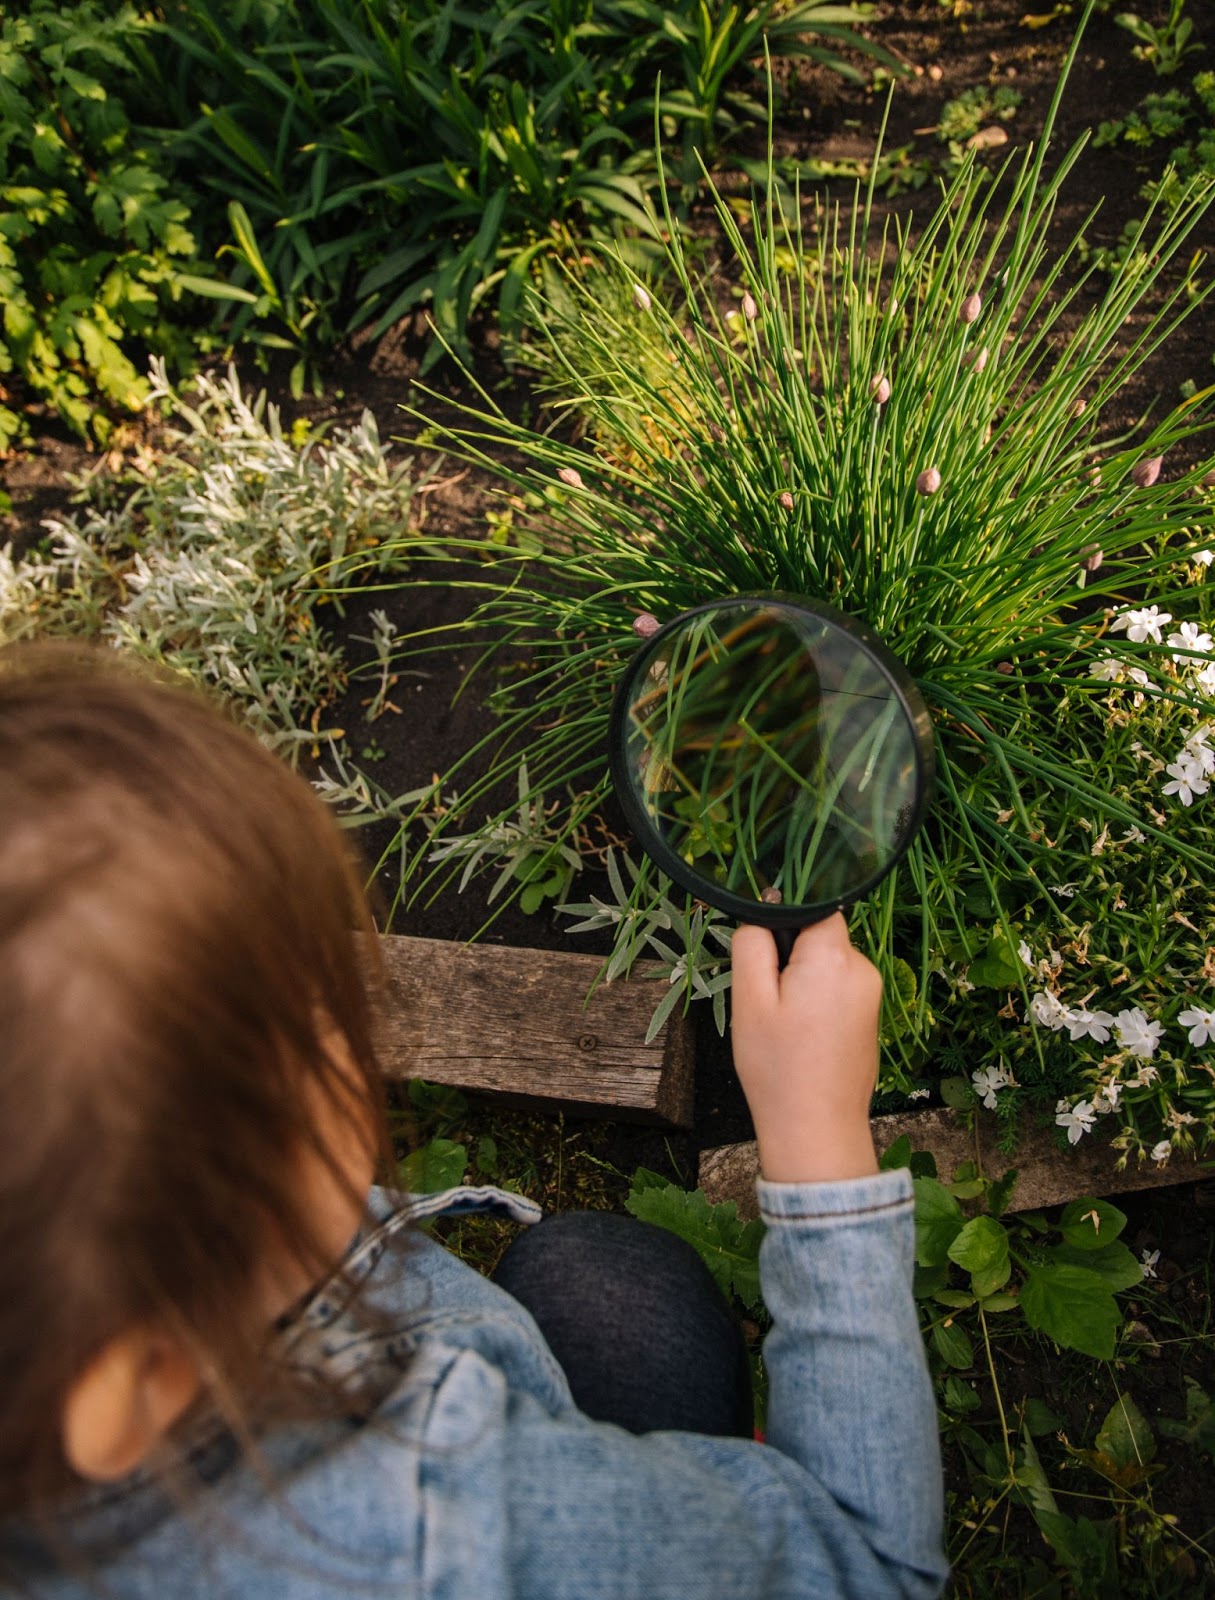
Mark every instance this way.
x=189 y=1101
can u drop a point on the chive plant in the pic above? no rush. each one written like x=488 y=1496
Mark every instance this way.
x=908 y=420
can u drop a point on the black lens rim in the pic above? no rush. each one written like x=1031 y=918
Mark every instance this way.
x=656 y=847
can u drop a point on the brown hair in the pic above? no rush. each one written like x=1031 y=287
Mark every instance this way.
x=177 y=942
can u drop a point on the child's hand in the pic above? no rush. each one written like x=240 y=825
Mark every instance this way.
x=806 y=1050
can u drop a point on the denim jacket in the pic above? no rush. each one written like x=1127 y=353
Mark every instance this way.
x=470 y=1474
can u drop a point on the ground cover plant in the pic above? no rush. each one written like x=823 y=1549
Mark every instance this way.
x=898 y=426
x=212 y=555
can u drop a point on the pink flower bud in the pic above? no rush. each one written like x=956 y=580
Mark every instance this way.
x=1006 y=668
x=979 y=359
x=570 y=475
x=970 y=308
x=750 y=309
x=879 y=389
x=718 y=432
x=928 y=482
x=771 y=896
x=646 y=625
x=1080 y=407
x=786 y=500
x=1145 y=473
x=641 y=297
x=1091 y=557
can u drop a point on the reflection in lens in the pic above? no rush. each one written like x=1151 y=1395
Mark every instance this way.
x=771 y=752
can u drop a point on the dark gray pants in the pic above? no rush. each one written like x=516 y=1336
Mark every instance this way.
x=631 y=1312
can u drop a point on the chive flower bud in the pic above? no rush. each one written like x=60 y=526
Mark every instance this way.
x=570 y=475
x=771 y=896
x=928 y=482
x=749 y=307
x=879 y=389
x=1145 y=473
x=980 y=358
x=646 y=624
x=641 y=297
x=1091 y=557
x=1080 y=407
x=969 y=310
x=786 y=500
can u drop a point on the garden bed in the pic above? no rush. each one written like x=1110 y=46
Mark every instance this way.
x=976 y=56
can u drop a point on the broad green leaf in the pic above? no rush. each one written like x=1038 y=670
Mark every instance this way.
x=993 y=1304
x=1001 y=1192
x=1090 y=1224
x=938 y=1221
x=1125 y=1436
x=1114 y=1263
x=960 y=1397
x=1199 y=1425
x=981 y=1249
x=1072 y=1306
x=896 y=1155
x=726 y=1245
x=953 y=1344
x=435 y=1166
x=1038 y=1417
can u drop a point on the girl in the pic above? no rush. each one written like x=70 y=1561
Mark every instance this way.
x=231 y=1366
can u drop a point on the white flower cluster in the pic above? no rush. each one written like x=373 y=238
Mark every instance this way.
x=1192 y=649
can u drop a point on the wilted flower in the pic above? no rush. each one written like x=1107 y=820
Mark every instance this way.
x=786 y=500
x=641 y=296
x=879 y=389
x=645 y=625
x=570 y=475
x=970 y=308
x=928 y=482
x=1145 y=473
x=1160 y=1153
x=750 y=309
x=1077 y=1119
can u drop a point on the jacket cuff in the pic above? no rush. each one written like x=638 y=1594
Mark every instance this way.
x=846 y=1200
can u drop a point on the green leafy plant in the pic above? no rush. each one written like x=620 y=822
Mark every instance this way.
x=94 y=239
x=1165 y=45
x=214 y=561
x=373 y=158
x=728 y=1246
x=908 y=433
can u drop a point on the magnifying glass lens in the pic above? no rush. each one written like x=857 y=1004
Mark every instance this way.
x=772 y=753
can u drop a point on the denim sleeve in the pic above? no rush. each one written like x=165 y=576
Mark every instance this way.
x=850 y=1396
x=844 y=1501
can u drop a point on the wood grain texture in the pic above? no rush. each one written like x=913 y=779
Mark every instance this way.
x=1047 y=1176
x=519 y=1023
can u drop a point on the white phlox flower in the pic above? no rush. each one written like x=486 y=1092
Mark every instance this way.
x=1136 y=1034
x=1077 y=1119
x=989 y=1081
x=1200 y=1023
x=1026 y=954
x=1048 y=1011
x=1143 y=624
x=1134 y=835
x=1108 y=670
x=1197 y=750
x=1160 y=1153
x=1185 y=779
x=1189 y=636
x=1083 y=1023
x=1145 y=1076
x=1065 y=891
x=1107 y=1097
x=1203 y=558
x=1148 y=1261
x=918 y=1094
x=1204 y=680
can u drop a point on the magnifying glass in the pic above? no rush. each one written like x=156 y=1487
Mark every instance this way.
x=772 y=757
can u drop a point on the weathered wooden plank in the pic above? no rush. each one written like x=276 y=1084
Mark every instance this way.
x=518 y=1023
x=1046 y=1175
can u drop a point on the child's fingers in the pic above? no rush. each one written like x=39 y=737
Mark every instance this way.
x=756 y=967
x=821 y=941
